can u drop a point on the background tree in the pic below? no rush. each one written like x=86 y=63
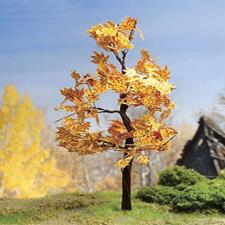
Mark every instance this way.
x=216 y=113
x=146 y=85
x=26 y=168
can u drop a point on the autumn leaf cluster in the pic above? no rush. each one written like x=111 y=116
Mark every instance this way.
x=146 y=85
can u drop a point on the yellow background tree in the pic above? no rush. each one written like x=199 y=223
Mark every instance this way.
x=26 y=169
x=145 y=85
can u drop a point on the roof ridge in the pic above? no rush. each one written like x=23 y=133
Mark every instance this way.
x=210 y=123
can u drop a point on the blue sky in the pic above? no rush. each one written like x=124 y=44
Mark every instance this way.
x=42 y=41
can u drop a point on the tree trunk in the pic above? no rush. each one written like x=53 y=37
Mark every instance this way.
x=126 y=187
x=126 y=182
x=126 y=172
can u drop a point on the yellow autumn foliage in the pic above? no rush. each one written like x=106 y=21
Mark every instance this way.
x=27 y=170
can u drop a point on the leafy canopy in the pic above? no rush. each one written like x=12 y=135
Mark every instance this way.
x=146 y=85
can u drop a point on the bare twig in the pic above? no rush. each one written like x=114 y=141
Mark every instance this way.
x=91 y=93
x=124 y=54
x=64 y=117
x=106 y=110
x=101 y=111
x=121 y=61
x=112 y=145
x=167 y=142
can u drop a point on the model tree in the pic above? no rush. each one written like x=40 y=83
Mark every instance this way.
x=145 y=85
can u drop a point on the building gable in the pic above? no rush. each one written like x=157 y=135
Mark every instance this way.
x=205 y=152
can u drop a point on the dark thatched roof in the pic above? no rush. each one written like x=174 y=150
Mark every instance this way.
x=213 y=138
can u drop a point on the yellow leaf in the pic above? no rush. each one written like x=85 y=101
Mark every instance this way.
x=143 y=159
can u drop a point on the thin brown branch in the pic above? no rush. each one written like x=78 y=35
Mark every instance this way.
x=101 y=111
x=113 y=145
x=158 y=149
x=106 y=110
x=167 y=142
x=56 y=121
x=91 y=93
x=124 y=54
x=122 y=62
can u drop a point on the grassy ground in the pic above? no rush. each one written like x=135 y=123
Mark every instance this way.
x=97 y=209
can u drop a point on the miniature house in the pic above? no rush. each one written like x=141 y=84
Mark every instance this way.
x=205 y=153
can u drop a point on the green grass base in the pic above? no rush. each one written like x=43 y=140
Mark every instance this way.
x=102 y=208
